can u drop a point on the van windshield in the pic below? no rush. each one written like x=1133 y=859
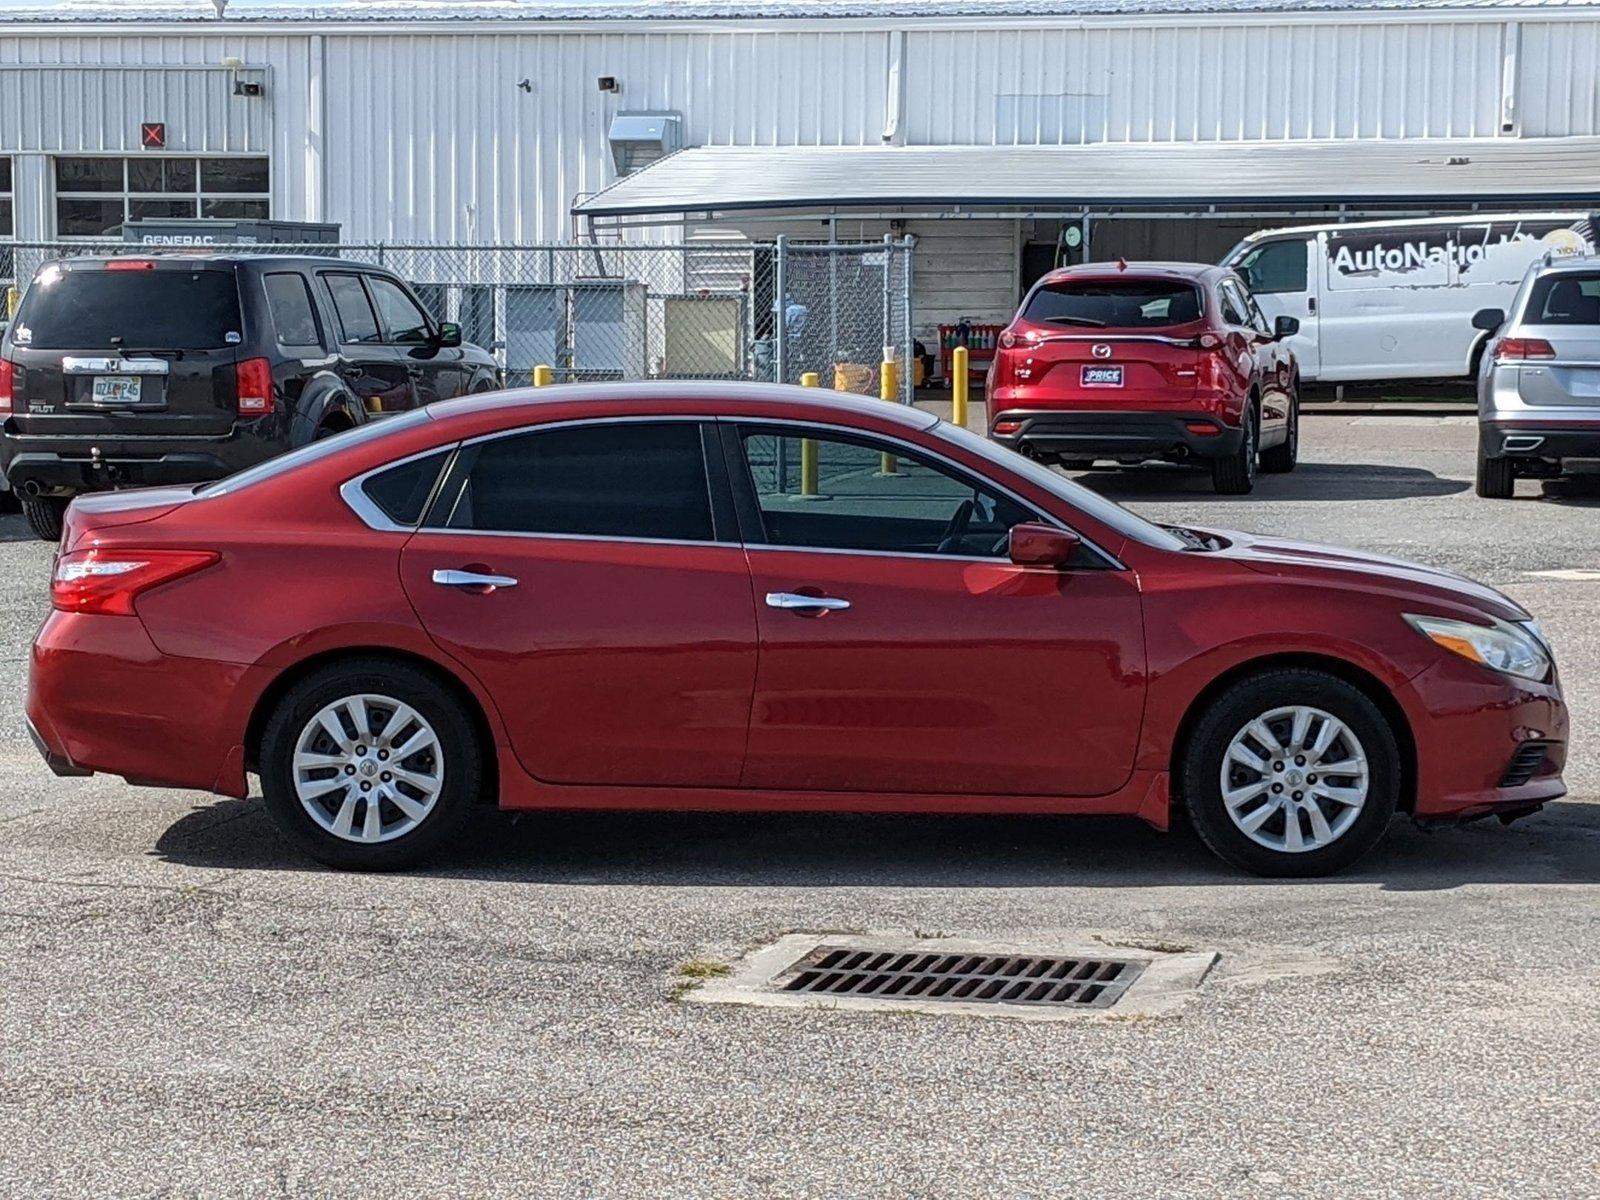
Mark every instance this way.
x=129 y=309
x=1114 y=303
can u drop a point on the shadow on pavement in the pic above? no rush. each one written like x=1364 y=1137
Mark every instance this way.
x=1308 y=481
x=1580 y=491
x=798 y=850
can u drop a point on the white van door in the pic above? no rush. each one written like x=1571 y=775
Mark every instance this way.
x=1388 y=311
x=1282 y=277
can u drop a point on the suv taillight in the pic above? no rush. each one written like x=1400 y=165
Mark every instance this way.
x=253 y=377
x=8 y=384
x=107 y=581
x=1516 y=347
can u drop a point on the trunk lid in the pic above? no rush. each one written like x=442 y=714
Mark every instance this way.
x=95 y=512
x=128 y=348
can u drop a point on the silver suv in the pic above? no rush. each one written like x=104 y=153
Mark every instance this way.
x=1539 y=378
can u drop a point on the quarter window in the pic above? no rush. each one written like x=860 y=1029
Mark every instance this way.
x=95 y=195
x=355 y=312
x=833 y=493
x=613 y=480
x=402 y=492
x=1233 y=307
x=402 y=320
x=289 y=300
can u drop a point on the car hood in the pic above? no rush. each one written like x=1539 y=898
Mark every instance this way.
x=1336 y=565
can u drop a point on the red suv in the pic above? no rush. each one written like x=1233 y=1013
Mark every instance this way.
x=705 y=596
x=1147 y=361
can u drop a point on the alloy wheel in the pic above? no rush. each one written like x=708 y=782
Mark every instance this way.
x=368 y=768
x=1295 y=779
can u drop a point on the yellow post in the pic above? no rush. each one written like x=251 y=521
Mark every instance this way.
x=960 y=380
x=809 y=471
x=542 y=375
x=13 y=299
x=888 y=389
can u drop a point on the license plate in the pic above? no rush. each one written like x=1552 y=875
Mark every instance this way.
x=115 y=389
x=1102 y=376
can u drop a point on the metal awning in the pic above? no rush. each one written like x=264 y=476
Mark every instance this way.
x=725 y=178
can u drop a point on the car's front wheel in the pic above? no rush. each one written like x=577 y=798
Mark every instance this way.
x=1291 y=773
x=369 y=764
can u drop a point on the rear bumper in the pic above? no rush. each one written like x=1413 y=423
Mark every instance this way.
x=1116 y=434
x=103 y=698
x=68 y=464
x=1507 y=439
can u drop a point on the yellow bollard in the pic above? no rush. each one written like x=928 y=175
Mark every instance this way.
x=810 y=473
x=542 y=375
x=960 y=380
x=13 y=300
x=888 y=389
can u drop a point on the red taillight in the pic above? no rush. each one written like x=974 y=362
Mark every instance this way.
x=8 y=384
x=1514 y=347
x=107 y=581
x=130 y=264
x=253 y=377
x=1007 y=428
x=1202 y=428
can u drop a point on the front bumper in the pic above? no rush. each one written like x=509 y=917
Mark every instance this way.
x=1071 y=434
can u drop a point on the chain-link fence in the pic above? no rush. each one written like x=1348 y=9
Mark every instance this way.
x=590 y=311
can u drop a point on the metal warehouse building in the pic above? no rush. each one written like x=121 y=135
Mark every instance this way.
x=1006 y=135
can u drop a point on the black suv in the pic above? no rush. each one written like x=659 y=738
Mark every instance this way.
x=180 y=368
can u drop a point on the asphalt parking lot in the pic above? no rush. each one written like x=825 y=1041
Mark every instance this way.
x=189 y=1009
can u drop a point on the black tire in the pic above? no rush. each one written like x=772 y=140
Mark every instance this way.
x=46 y=515
x=1497 y=477
x=1281 y=459
x=460 y=771
x=1235 y=474
x=1205 y=752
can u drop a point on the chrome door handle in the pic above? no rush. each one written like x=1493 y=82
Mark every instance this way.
x=447 y=578
x=795 y=600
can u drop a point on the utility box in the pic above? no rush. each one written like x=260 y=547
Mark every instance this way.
x=216 y=231
x=703 y=336
x=536 y=329
x=608 y=329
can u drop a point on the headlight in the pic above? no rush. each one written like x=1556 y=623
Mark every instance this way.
x=1513 y=649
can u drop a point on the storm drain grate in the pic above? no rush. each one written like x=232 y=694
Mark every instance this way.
x=970 y=978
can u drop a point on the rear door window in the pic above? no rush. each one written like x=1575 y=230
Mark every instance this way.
x=614 y=480
x=130 y=308
x=403 y=321
x=356 y=318
x=1234 y=309
x=1114 y=304
x=293 y=316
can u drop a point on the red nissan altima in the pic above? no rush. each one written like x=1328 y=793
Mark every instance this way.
x=703 y=596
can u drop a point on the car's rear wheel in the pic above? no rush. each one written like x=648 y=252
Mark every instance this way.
x=46 y=515
x=1497 y=477
x=1291 y=773
x=369 y=764
x=1235 y=474
x=1281 y=459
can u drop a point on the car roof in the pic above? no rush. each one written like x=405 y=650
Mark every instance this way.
x=1265 y=235
x=1194 y=272
x=1558 y=266
x=691 y=397
x=168 y=256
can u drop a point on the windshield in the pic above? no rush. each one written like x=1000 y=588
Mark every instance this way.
x=1114 y=303
x=1105 y=511
x=314 y=452
x=131 y=309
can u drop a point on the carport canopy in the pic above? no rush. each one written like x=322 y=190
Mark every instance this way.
x=1500 y=171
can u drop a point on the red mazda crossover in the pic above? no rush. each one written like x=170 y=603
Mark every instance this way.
x=1169 y=361
x=704 y=596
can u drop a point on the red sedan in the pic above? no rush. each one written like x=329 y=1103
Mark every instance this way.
x=1170 y=361
x=706 y=596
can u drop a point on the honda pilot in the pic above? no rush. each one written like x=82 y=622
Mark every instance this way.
x=125 y=371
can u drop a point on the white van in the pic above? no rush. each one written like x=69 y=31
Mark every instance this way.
x=1385 y=300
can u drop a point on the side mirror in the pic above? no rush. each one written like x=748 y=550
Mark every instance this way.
x=1285 y=327
x=1035 y=545
x=449 y=334
x=1489 y=319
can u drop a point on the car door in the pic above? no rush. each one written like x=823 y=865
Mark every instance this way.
x=378 y=373
x=578 y=571
x=901 y=650
x=435 y=371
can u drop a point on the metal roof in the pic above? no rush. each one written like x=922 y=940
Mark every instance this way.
x=378 y=11
x=724 y=178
